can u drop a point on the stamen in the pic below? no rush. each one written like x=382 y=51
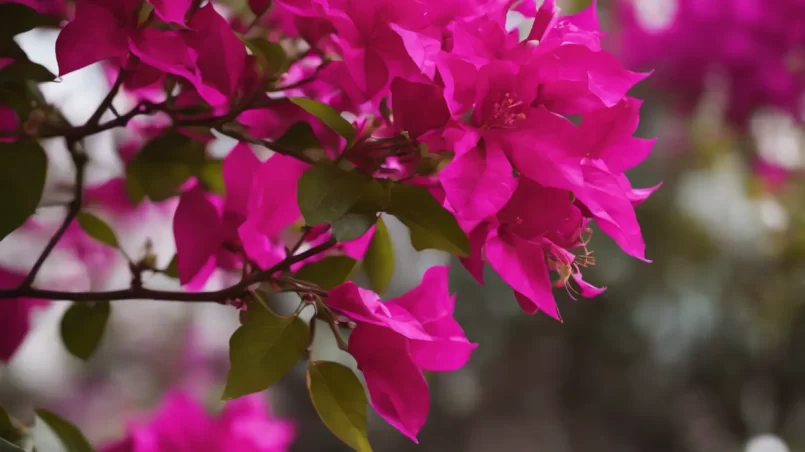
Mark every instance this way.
x=505 y=113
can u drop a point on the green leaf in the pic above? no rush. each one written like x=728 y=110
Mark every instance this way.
x=327 y=115
x=6 y=446
x=353 y=225
x=71 y=438
x=97 y=229
x=163 y=165
x=263 y=350
x=16 y=18
x=270 y=55
x=299 y=137
x=8 y=430
x=172 y=269
x=379 y=260
x=82 y=327
x=341 y=402
x=328 y=272
x=430 y=224
x=212 y=177
x=26 y=70
x=23 y=167
x=326 y=192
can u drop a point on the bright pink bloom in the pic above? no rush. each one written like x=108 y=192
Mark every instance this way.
x=9 y=122
x=259 y=7
x=173 y=11
x=183 y=425
x=774 y=177
x=755 y=45
x=395 y=341
x=15 y=316
x=260 y=203
x=100 y=30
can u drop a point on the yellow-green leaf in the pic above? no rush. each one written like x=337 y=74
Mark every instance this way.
x=262 y=350
x=270 y=55
x=379 y=260
x=212 y=177
x=327 y=115
x=97 y=229
x=328 y=272
x=8 y=431
x=23 y=168
x=82 y=327
x=71 y=438
x=172 y=269
x=340 y=401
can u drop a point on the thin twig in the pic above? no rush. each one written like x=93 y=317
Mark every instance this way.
x=309 y=79
x=107 y=101
x=80 y=162
x=143 y=293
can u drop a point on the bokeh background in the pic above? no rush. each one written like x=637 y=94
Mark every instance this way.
x=702 y=350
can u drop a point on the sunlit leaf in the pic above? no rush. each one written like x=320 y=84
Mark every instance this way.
x=340 y=401
x=212 y=177
x=327 y=115
x=379 y=260
x=172 y=269
x=97 y=229
x=270 y=55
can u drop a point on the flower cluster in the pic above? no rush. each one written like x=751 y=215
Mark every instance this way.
x=182 y=424
x=756 y=46
x=498 y=149
x=394 y=341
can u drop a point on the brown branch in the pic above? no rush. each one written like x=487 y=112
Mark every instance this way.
x=143 y=293
x=299 y=83
x=107 y=101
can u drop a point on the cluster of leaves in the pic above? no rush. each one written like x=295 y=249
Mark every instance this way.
x=468 y=144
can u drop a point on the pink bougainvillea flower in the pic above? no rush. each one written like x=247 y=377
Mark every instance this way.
x=272 y=207
x=183 y=425
x=198 y=231
x=774 y=177
x=9 y=122
x=50 y=7
x=478 y=183
x=395 y=341
x=172 y=11
x=100 y=30
x=15 y=316
x=755 y=48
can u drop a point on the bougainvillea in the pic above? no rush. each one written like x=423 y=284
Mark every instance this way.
x=755 y=46
x=182 y=424
x=493 y=148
